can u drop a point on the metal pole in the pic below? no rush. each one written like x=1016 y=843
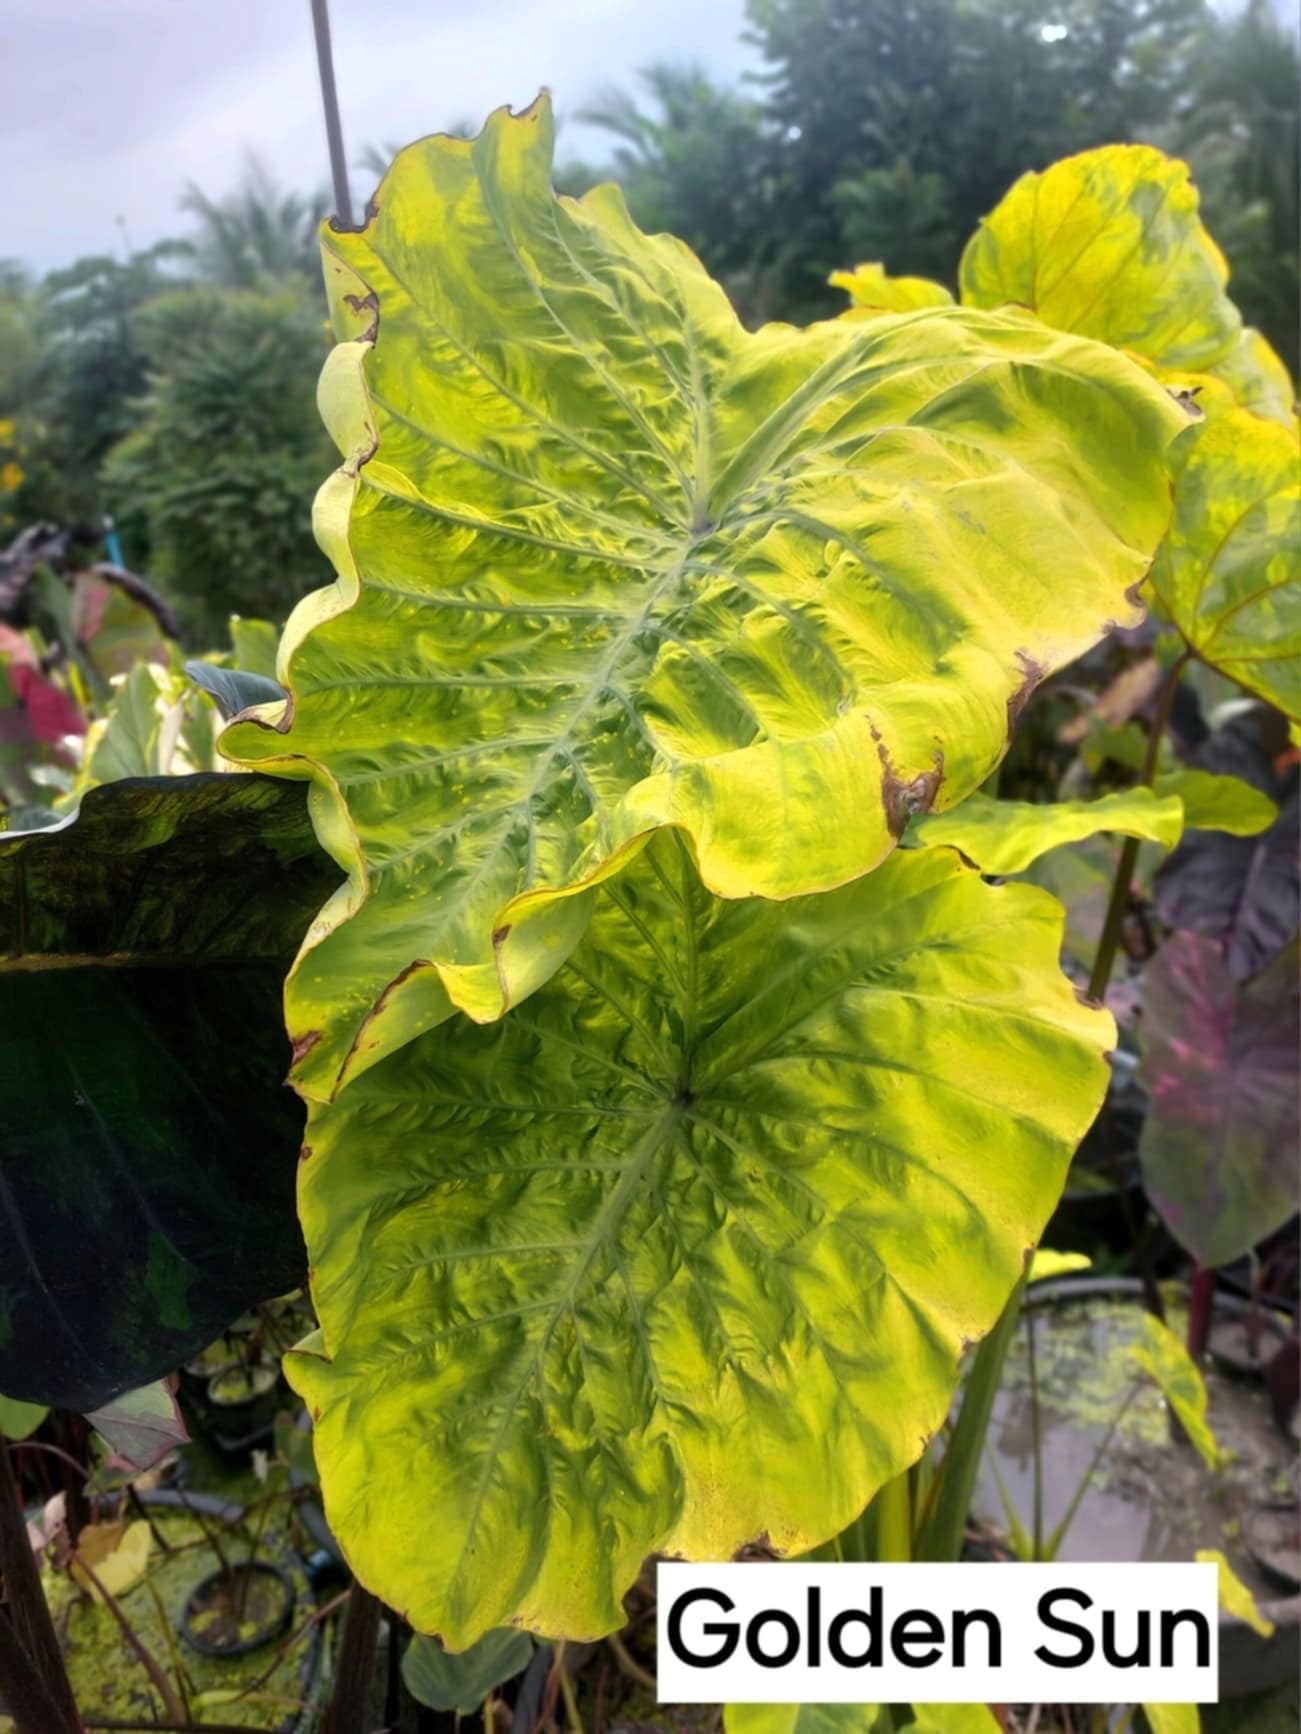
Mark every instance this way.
x=330 y=103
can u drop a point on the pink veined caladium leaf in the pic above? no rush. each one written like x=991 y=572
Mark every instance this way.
x=1218 y=1146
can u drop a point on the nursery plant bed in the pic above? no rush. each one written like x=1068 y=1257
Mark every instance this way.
x=109 y=1681
x=1150 y=1499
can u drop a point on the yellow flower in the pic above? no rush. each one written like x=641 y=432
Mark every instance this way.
x=11 y=475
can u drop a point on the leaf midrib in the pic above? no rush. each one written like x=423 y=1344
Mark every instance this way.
x=603 y=1233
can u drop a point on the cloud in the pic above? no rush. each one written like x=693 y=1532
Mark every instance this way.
x=108 y=109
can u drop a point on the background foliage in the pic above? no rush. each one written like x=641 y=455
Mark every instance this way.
x=174 y=387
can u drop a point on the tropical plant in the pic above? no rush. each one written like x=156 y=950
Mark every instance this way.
x=256 y=234
x=69 y=371
x=925 y=111
x=226 y=449
x=693 y=158
x=670 y=1129
x=1094 y=245
x=698 y=583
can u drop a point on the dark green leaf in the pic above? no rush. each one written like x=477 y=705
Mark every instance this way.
x=147 y=1140
x=462 y=1682
x=234 y=688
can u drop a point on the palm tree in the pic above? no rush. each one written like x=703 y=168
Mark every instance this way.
x=376 y=158
x=257 y=232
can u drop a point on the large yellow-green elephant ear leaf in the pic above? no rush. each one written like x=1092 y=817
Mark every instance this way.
x=664 y=1261
x=1109 y=244
x=609 y=562
x=1228 y=574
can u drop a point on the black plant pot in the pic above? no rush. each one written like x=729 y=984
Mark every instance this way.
x=213 y=1621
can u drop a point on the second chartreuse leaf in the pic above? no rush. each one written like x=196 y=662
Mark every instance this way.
x=1007 y=836
x=1228 y=574
x=872 y=290
x=609 y=562
x=663 y=1260
x=1109 y=244
x=1214 y=802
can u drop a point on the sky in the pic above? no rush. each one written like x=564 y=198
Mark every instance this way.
x=109 y=107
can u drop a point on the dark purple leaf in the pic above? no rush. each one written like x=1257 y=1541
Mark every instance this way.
x=1245 y=890
x=1219 y=1145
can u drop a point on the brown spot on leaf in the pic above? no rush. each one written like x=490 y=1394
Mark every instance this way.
x=1032 y=673
x=902 y=799
x=761 y=1548
x=1187 y=401
x=338 y=227
x=368 y=303
x=500 y=934
x=304 y=1045
x=306 y=1153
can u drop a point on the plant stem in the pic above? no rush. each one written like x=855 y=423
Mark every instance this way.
x=1115 y=919
x=209 y=1535
x=1058 y=1536
x=168 y=1727
x=313 y=1619
x=255 y=1542
x=137 y=1505
x=1108 y=944
x=49 y=1450
x=1201 y=1306
x=894 y=1520
x=945 y=1525
x=567 y=1692
x=1036 y=1438
x=166 y=1691
x=22 y=1688
x=73 y=1432
x=1255 y=1311
x=28 y=1625
x=350 y=1699
x=184 y=1684
x=627 y=1665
